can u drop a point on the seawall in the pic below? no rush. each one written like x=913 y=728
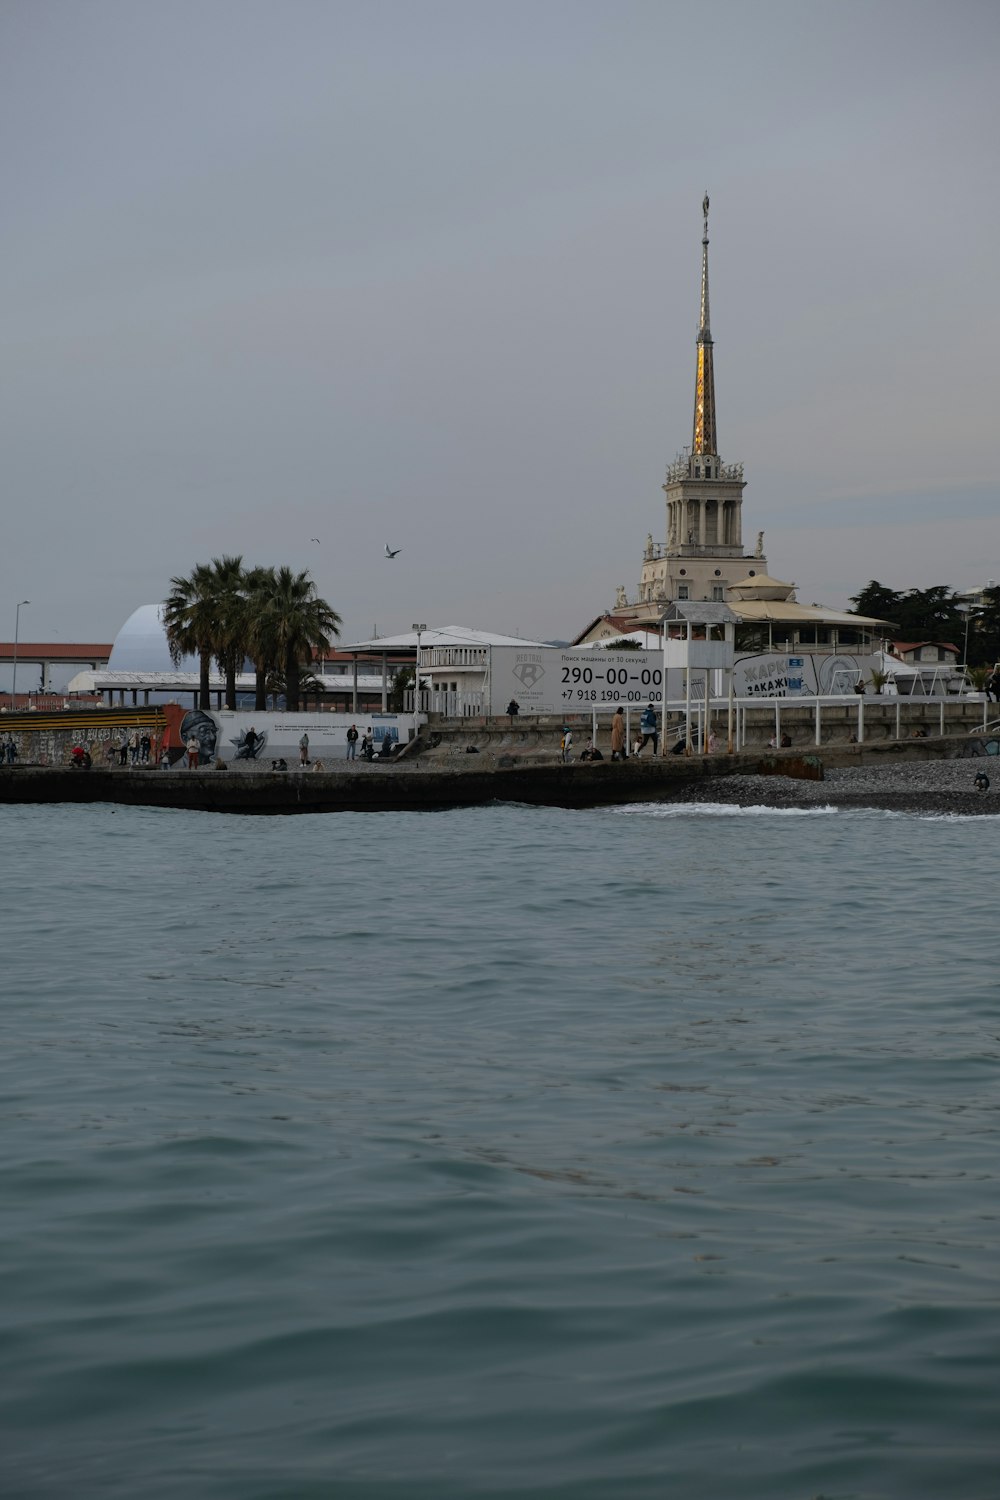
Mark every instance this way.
x=420 y=785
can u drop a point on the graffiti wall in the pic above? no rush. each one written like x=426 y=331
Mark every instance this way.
x=240 y=735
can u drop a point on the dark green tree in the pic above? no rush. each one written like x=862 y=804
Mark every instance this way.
x=877 y=602
x=984 y=630
x=930 y=615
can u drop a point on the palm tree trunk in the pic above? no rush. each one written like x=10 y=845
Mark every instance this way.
x=260 y=688
x=292 y=682
x=230 y=686
x=204 y=690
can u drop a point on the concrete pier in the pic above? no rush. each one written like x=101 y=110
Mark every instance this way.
x=422 y=784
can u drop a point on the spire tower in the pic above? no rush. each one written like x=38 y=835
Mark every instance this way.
x=703 y=552
x=704 y=440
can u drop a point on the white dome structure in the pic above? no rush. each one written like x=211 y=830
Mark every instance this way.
x=141 y=645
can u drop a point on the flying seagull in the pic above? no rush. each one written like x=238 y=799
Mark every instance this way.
x=314 y=538
x=391 y=551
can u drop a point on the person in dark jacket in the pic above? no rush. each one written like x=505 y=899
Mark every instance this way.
x=649 y=725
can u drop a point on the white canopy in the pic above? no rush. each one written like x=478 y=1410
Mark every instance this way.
x=445 y=635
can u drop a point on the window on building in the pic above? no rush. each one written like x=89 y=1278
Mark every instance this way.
x=718 y=592
x=683 y=591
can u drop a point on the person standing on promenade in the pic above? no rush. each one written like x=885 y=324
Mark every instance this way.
x=649 y=726
x=123 y=747
x=145 y=744
x=133 y=747
x=567 y=745
x=618 y=747
x=513 y=709
x=193 y=749
x=352 y=742
x=304 y=750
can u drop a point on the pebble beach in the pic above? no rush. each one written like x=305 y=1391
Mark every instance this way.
x=933 y=786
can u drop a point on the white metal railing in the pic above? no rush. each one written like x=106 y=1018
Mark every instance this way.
x=453 y=705
x=733 y=712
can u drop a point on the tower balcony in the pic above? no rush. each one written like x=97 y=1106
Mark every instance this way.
x=683 y=469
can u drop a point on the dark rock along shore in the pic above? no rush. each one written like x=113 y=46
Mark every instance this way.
x=939 y=786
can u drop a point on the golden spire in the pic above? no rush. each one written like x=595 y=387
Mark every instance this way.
x=705 y=440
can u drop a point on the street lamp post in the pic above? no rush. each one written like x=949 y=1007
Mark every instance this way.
x=968 y=619
x=416 y=670
x=17 y=631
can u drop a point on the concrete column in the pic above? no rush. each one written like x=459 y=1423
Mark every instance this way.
x=701 y=523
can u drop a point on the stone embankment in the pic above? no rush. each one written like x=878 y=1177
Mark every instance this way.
x=913 y=775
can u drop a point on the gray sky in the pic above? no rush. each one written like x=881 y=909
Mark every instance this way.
x=427 y=273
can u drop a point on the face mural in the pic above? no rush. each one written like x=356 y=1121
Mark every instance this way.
x=203 y=727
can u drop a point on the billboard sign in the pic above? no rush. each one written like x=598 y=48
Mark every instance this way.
x=547 y=680
x=773 y=675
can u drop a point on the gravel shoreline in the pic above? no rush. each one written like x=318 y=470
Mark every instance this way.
x=940 y=786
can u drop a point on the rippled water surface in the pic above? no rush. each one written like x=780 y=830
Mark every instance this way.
x=511 y=1152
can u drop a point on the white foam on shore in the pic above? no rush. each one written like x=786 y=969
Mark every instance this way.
x=761 y=810
x=721 y=810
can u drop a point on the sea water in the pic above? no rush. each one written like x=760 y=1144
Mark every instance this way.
x=511 y=1152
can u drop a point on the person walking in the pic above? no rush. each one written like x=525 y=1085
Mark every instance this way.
x=619 y=750
x=352 y=742
x=649 y=725
x=304 y=750
x=566 y=746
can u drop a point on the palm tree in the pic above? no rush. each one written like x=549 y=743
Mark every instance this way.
x=274 y=616
x=259 y=586
x=230 y=624
x=189 y=616
x=298 y=622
